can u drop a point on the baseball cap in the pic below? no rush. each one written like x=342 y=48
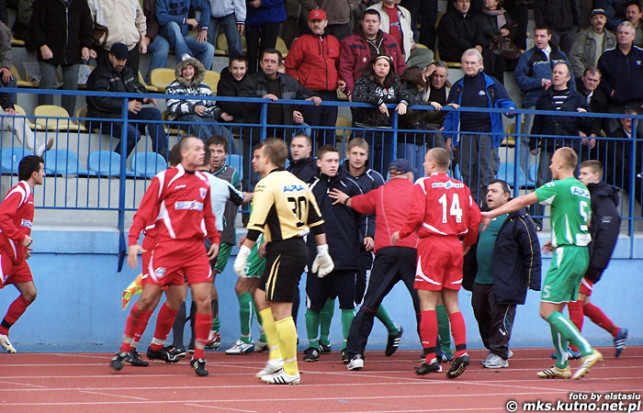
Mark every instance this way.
x=597 y=11
x=316 y=14
x=400 y=166
x=119 y=50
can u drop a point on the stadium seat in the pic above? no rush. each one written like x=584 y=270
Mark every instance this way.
x=212 y=79
x=222 y=45
x=106 y=163
x=236 y=161
x=21 y=111
x=54 y=117
x=147 y=164
x=11 y=157
x=149 y=88
x=343 y=124
x=161 y=77
x=456 y=172
x=506 y=173
x=532 y=175
x=172 y=129
x=64 y=162
x=21 y=82
x=281 y=46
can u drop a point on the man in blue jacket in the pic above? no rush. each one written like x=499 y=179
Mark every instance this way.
x=173 y=18
x=477 y=134
x=498 y=270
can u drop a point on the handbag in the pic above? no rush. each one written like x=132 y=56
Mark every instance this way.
x=505 y=47
x=100 y=36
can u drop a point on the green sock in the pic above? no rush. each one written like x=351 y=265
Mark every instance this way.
x=560 y=345
x=326 y=317
x=569 y=332
x=312 y=327
x=388 y=322
x=347 y=320
x=216 y=322
x=443 y=329
x=245 y=316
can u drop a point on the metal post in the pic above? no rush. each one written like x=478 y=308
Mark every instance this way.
x=122 y=245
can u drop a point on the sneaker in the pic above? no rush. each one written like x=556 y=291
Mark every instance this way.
x=510 y=354
x=241 y=348
x=311 y=354
x=272 y=366
x=345 y=358
x=6 y=344
x=178 y=351
x=433 y=367
x=199 y=367
x=214 y=340
x=280 y=377
x=555 y=373
x=393 y=343
x=324 y=348
x=119 y=360
x=494 y=361
x=619 y=341
x=459 y=366
x=162 y=354
x=571 y=354
x=586 y=363
x=134 y=359
x=484 y=360
x=261 y=346
x=356 y=363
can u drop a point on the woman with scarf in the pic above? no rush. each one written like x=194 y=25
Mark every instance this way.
x=497 y=26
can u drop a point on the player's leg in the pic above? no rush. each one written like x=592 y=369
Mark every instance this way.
x=444 y=333
x=482 y=312
x=325 y=321
x=317 y=293
x=429 y=330
x=287 y=336
x=175 y=296
x=344 y=285
x=178 y=331
x=18 y=307
x=214 y=339
x=246 y=309
x=275 y=359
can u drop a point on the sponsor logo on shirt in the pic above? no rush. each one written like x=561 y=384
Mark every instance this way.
x=188 y=205
x=26 y=223
x=292 y=188
x=447 y=185
x=179 y=186
x=580 y=192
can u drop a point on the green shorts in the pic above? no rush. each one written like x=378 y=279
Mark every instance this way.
x=256 y=264
x=222 y=258
x=568 y=265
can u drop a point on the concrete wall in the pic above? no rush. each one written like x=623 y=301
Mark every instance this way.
x=79 y=300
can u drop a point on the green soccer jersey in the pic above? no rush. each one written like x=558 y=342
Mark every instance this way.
x=570 y=211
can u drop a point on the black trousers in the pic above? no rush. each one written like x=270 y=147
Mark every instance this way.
x=495 y=322
x=392 y=264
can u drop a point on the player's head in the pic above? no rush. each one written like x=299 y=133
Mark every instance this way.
x=175 y=156
x=256 y=155
x=328 y=160
x=590 y=172
x=32 y=167
x=192 y=152
x=217 y=145
x=563 y=162
x=498 y=193
x=301 y=147
x=274 y=153
x=436 y=160
x=357 y=153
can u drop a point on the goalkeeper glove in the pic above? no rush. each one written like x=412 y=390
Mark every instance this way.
x=323 y=263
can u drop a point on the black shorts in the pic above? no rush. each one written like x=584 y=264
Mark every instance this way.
x=340 y=283
x=285 y=261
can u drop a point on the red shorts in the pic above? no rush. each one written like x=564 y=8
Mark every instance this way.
x=171 y=261
x=439 y=264
x=12 y=273
x=586 y=287
x=148 y=245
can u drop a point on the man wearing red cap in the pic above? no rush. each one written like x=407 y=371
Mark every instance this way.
x=313 y=60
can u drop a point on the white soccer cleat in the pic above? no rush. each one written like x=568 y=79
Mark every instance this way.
x=272 y=366
x=281 y=377
x=6 y=344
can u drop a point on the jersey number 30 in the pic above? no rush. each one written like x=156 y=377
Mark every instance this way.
x=298 y=208
x=454 y=210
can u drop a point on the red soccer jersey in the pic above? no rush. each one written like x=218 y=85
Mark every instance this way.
x=178 y=202
x=443 y=206
x=16 y=216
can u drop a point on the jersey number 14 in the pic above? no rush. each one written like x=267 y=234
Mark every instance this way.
x=454 y=210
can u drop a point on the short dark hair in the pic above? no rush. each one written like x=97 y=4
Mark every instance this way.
x=175 y=158
x=372 y=12
x=593 y=164
x=303 y=135
x=326 y=149
x=503 y=184
x=633 y=3
x=276 y=150
x=238 y=58
x=543 y=27
x=359 y=142
x=28 y=165
x=217 y=140
x=271 y=51
x=183 y=143
x=594 y=70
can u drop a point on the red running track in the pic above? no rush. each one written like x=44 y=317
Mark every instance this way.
x=83 y=382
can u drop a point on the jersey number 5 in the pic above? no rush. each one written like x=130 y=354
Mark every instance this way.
x=454 y=210
x=298 y=208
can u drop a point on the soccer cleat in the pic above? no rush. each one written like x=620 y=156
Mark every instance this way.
x=261 y=346
x=179 y=352
x=324 y=348
x=272 y=366
x=458 y=367
x=586 y=363
x=433 y=367
x=555 y=373
x=280 y=377
x=311 y=354
x=134 y=359
x=619 y=341
x=119 y=360
x=162 y=354
x=6 y=344
x=214 y=340
x=345 y=358
x=393 y=343
x=199 y=367
x=571 y=354
x=494 y=361
x=241 y=348
x=356 y=363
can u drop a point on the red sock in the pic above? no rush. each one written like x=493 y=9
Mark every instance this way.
x=577 y=316
x=459 y=333
x=202 y=325
x=164 y=323
x=16 y=309
x=599 y=318
x=429 y=333
x=132 y=325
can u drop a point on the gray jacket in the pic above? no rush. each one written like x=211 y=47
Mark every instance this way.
x=583 y=52
x=222 y=8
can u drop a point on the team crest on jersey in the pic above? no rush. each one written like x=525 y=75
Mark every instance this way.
x=160 y=272
x=203 y=192
x=26 y=223
x=292 y=188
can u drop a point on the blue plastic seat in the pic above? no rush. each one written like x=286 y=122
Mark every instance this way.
x=64 y=162
x=532 y=175
x=506 y=173
x=147 y=164
x=106 y=163
x=236 y=161
x=10 y=159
